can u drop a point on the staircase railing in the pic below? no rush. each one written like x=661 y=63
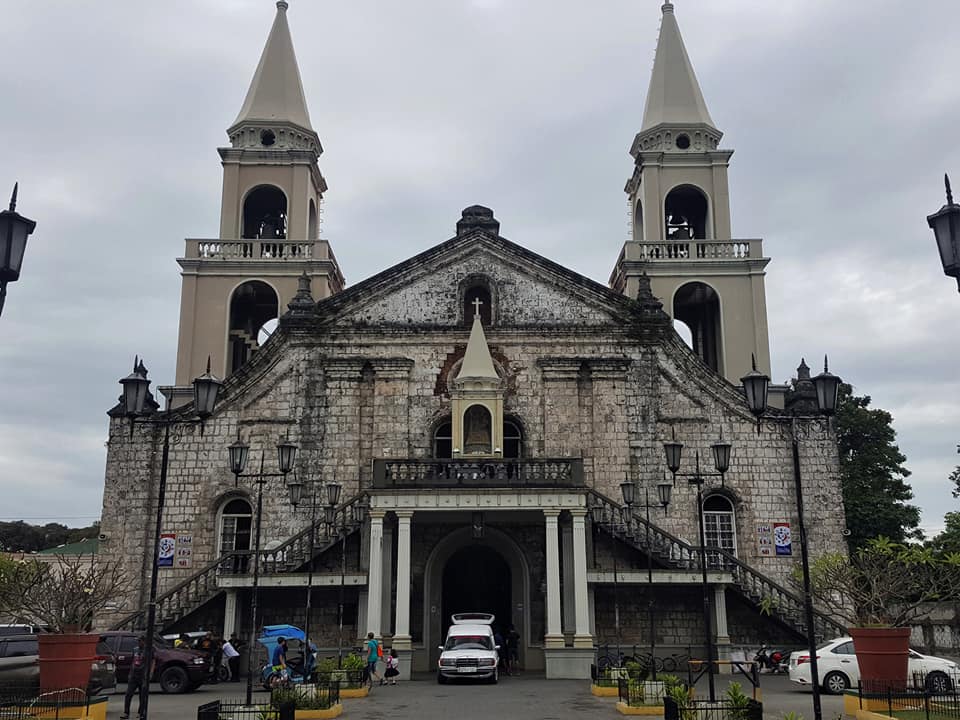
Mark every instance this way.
x=771 y=597
x=186 y=596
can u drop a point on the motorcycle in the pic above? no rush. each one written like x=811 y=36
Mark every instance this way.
x=774 y=661
x=300 y=666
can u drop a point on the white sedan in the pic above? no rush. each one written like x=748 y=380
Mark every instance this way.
x=838 y=668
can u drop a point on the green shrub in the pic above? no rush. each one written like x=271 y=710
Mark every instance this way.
x=737 y=701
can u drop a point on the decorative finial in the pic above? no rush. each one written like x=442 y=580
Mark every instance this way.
x=826 y=368
x=667 y=7
x=477 y=302
x=946 y=181
x=753 y=361
x=208 y=364
x=282 y=4
x=13 y=198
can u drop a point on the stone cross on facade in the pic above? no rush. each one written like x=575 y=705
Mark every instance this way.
x=477 y=302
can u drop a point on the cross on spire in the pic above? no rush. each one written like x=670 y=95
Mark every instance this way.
x=477 y=302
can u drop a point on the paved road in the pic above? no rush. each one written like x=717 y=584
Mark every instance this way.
x=524 y=698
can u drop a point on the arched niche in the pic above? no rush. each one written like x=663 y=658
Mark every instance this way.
x=697 y=305
x=313 y=225
x=638 y=222
x=685 y=212
x=265 y=214
x=253 y=305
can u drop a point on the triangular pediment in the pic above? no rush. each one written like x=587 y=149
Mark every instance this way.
x=427 y=289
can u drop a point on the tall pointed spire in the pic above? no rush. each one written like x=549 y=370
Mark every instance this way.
x=276 y=92
x=477 y=362
x=674 y=97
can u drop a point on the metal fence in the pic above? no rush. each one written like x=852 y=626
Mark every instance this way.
x=611 y=676
x=635 y=692
x=345 y=678
x=705 y=710
x=20 y=703
x=321 y=696
x=220 y=710
x=934 y=695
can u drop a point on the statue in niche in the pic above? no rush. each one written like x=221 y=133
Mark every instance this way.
x=476 y=431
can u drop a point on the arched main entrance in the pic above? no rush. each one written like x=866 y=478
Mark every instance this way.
x=476 y=578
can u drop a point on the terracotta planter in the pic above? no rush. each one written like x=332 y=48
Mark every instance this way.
x=65 y=660
x=882 y=654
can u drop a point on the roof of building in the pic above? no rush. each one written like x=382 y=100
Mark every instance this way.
x=276 y=91
x=674 y=95
x=477 y=362
x=84 y=547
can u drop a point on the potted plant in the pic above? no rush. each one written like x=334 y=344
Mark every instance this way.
x=877 y=590
x=63 y=595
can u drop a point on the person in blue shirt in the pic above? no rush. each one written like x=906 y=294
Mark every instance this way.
x=279 y=659
x=373 y=656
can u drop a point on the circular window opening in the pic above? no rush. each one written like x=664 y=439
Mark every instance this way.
x=268 y=138
x=683 y=141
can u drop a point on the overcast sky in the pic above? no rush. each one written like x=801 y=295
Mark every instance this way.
x=844 y=117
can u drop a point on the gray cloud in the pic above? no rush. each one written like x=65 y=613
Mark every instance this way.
x=843 y=117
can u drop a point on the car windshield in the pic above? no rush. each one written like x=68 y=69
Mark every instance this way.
x=826 y=644
x=468 y=642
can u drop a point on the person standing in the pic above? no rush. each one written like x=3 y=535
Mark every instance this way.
x=513 y=651
x=138 y=681
x=238 y=645
x=393 y=667
x=374 y=653
x=230 y=654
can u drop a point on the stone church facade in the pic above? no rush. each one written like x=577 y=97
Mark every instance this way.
x=475 y=402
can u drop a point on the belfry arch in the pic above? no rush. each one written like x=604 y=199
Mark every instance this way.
x=252 y=304
x=265 y=214
x=697 y=305
x=685 y=211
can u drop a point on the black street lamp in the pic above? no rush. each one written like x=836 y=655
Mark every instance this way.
x=333 y=499
x=239 y=451
x=14 y=231
x=945 y=224
x=721 y=461
x=827 y=386
x=597 y=513
x=664 y=492
x=136 y=389
x=295 y=491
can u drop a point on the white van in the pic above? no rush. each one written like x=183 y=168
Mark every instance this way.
x=470 y=650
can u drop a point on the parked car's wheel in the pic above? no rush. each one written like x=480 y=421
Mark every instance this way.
x=441 y=680
x=174 y=680
x=836 y=682
x=938 y=683
x=223 y=673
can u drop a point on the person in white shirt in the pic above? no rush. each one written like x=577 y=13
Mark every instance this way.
x=229 y=652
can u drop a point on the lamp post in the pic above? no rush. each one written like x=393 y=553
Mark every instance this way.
x=721 y=461
x=360 y=507
x=239 y=451
x=333 y=499
x=827 y=385
x=136 y=388
x=295 y=490
x=945 y=224
x=664 y=492
x=597 y=512
x=14 y=231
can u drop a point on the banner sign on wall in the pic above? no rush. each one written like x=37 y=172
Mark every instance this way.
x=184 y=550
x=782 y=539
x=765 y=539
x=168 y=545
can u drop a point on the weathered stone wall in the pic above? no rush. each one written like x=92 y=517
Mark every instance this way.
x=368 y=382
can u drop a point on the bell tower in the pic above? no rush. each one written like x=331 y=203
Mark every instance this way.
x=680 y=221
x=270 y=209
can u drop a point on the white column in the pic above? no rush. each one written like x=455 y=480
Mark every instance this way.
x=566 y=547
x=554 y=636
x=401 y=636
x=720 y=615
x=582 y=638
x=229 y=613
x=387 y=588
x=375 y=574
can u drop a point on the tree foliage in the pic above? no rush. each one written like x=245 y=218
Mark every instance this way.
x=883 y=583
x=948 y=541
x=875 y=491
x=64 y=595
x=20 y=536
